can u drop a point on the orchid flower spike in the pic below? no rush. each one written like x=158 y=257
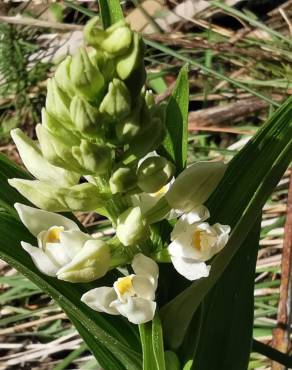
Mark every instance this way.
x=194 y=242
x=131 y=296
x=63 y=250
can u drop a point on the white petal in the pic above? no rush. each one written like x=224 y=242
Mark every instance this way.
x=145 y=201
x=57 y=253
x=182 y=245
x=223 y=235
x=37 y=220
x=136 y=310
x=41 y=260
x=197 y=214
x=145 y=266
x=144 y=287
x=99 y=299
x=73 y=241
x=189 y=268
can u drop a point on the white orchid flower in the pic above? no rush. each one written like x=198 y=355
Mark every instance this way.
x=131 y=296
x=194 y=242
x=63 y=250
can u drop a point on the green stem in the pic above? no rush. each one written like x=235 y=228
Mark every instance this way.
x=162 y=256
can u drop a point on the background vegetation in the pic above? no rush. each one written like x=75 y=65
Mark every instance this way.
x=240 y=70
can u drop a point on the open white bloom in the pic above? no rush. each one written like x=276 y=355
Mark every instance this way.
x=63 y=250
x=131 y=296
x=194 y=242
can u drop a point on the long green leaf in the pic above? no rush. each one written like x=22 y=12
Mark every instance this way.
x=227 y=326
x=101 y=353
x=237 y=201
x=111 y=12
x=176 y=140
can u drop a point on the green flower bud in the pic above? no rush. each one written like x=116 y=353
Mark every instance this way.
x=57 y=103
x=127 y=63
x=122 y=180
x=94 y=159
x=41 y=194
x=118 y=38
x=148 y=139
x=130 y=67
x=62 y=76
x=37 y=165
x=84 y=116
x=117 y=102
x=194 y=185
x=149 y=99
x=56 y=151
x=104 y=63
x=86 y=78
x=114 y=40
x=132 y=227
x=91 y=263
x=92 y=34
x=69 y=137
x=172 y=361
x=82 y=197
x=130 y=127
x=153 y=173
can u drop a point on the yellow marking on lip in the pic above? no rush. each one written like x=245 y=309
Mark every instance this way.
x=196 y=240
x=124 y=285
x=53 y=235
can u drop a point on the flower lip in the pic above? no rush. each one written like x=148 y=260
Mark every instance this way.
x=53 y=235
x=131 y=296
x=124 y=287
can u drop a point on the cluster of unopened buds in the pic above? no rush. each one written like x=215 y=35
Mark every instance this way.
x=98 y=150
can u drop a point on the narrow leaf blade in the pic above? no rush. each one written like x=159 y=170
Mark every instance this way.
x=111 y=12
x=176 y=140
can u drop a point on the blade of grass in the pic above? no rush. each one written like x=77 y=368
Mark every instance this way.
x=250 y=20
x=209 y=71
x=176 y=121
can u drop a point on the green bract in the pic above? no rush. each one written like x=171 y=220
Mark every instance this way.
x=132 y=227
